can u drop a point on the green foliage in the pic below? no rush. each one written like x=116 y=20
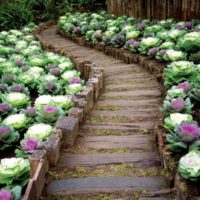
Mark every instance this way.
x=17 y=13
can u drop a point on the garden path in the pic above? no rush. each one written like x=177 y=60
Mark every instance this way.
x=116 y=157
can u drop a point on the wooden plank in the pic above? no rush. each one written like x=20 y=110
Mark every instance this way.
x=129 y=86
x=129 y=103
x=153 y=198
x=159 y=9
x=150 y=112
x=133 y=126
x=136 y=93
x=94 y=185
x=143 y=159
x=110 y=142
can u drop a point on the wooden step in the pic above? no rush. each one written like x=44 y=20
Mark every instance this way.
x=129 y=103
x=136 y=93
x=112 y=142
x=131 y=86
x=93 y=185
x=133 y=127
x=127 y=76
x=142 y=159
x=131 y=112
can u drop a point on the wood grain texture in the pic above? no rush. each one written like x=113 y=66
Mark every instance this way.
x=156 y=9
x=105 y=185
x=112 y=142
x=142 y=159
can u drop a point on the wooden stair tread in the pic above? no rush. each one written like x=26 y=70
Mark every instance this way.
x=94 y=185
x=142 y=159
x=112 y=142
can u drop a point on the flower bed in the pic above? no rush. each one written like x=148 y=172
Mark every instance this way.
x=37 y=88
x=154 y=45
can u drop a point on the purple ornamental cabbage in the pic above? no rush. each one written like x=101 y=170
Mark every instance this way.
x=55 y=71
x=8 y=78
x=117 y=38
x=25 y=68
x=5 y=108
x=3 y=87
x=153 y=51
x=179 y=27
x=178 y=104
x=30 y=144
x=141 y=26
x=49 y=86
x=75 y=80
x=130 y=42
x=4 y=131
x=30 y=112
x=5 y=195
x=16 y=88
x=188 y=25
x=188 y=132
x=136 y=44
x=50 y=109
x=19 y=62
x=185 y=86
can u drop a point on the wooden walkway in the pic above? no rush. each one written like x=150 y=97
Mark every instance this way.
x=116 y=158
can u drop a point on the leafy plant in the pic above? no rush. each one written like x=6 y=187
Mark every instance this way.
x=14 y=171
x=189 y=165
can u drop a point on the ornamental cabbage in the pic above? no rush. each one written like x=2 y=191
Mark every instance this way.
x=7 y=137
x=175 y=92
x=177 y=105
x=189 y=165
x=190 y=41
x=28 y=78
x=39 y=131
x=185 y=136
x=73 y=88
x=14 y=171
x=176 y=119
x=173 y=55
x=65 y=65
x=167 y=45
x=16 y=99
x=178 y=72
x=63 y=102
x=43 y=100
x=16 y=121
x=49 y=114
x=68 y=75
x=132 y=34
x=37 y=61
x=11 y=194
x=174 y=34
x=147 y=43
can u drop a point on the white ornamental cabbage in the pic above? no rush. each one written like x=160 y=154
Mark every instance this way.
x=39 y=131
x=176 y=119
x=68 y=75
x=65 y=66
x=173 y=55
x=16 y=99
x=63 y=102
x=14 y=169
x=37 y=70
x=16 y=121
x=189 y=165
x=48 y=78
x=43 y=100
x=73 y=88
